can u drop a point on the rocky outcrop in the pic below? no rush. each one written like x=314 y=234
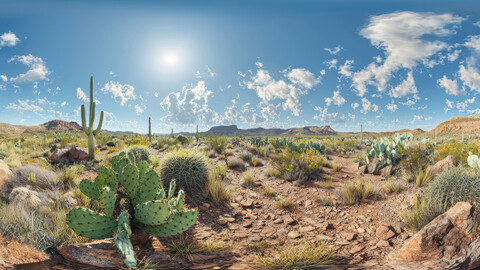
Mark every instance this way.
x=99 y=254
x=76 y=154
x=450 y=241
x=442 y=165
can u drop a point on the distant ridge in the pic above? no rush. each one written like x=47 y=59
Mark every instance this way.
x=51 y=125
x=233 y=130
x=459 y=124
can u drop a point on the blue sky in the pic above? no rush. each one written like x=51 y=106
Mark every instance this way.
x=384 y=64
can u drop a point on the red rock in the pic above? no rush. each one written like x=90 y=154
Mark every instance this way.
x=99 y=254
x=77 y=154
x=384 y=232
x=382 y=243
x=443 y=164
x=349 y=236
x=294 y=234
x=247 y=223
x=288 y=220
x=58 y=155
x=450 y=241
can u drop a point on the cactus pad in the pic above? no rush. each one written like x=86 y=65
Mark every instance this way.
x=90 y=189
x=143 y=168
x=180 y=200
x=99 y=181
x=109 y=176
x=180 y=222
x=160 y=195
x=152 y=212
x=149 y=187
x=122 y=240
x=131 y=156
x=107 y=200
x=88 y=223
x=129 y=180
x=171 y=189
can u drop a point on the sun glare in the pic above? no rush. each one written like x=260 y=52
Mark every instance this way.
x=170 y=58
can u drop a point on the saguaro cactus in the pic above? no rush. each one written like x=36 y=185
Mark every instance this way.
x=90 y=132
x=172 y=133
x=196 y=133
x=150 y=129
x=361 y=132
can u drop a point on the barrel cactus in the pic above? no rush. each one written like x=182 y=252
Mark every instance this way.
x=150 y=208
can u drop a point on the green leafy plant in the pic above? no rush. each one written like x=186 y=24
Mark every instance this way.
x=153 y=210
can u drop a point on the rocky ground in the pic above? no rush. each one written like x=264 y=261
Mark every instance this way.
x=362 y=235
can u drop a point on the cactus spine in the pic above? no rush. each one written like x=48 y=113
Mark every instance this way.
x=150 y=129
x=90 y=132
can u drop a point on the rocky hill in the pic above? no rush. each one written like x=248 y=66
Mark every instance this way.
x=51 y=125
x=233 y=130
x=469 y=124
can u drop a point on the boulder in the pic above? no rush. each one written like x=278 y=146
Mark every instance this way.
x=77 y=154
x=443 y=164
x=4 y=173
x=102 y=253
x=373 y=167
x=59 y=154
x=386 y=171
x=450 y=241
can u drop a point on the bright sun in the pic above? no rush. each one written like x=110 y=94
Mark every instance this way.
x=170 y=58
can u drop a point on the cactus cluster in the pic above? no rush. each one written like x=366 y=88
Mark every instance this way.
x=386 y=150
x=155 y=211
x=89 y=131
x=258 y=141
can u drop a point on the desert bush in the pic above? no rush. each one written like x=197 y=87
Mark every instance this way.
x=221 y=170
x=393 y=187
x=420 y=214
x=336 y=167
x=248 y=179
x=416 y=159
x=457 y=149
x=304 y=256
x=326 y=183
x=298 y=166
x=245 y=156
x=140 y=153
x=269 y=192
x=423 y=176
x=70 y=177
x=283 y=203
x=218 y=143
x=355 y=192
x=272 y=172
x=20 y=177
x=229 y=152
x=236 y=164
x=215 y=190
x=323 y=201
x=256 y=162
x=183 y=140
x=188 y=167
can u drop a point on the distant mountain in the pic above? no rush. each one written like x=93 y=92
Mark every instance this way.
x=51 y=125
x=233 y=130
x=460 y=124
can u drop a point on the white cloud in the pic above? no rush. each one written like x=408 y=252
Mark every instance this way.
x=328 y=101
x=139 y=109
x=122 y=93
x=183 y=107
x=355 y=105
x=210 y=72
x=473 y=42
x=303 y=77
x=401 y=36
x=345 y=69
x=367 y=106
x=326 y=117
x=450 y=86
x=462 y=106
x=392 y=107
x=24 y=105
x=449 y=103
x=37 y=69
x=269 y=89
x=338 y=99
x=331 y=64
x=407 y=87
x=470 y=77
x=63 y=104
x=4 y=78
x=453 y=55
x=81 y=95
x=474 y=111
x=335 y=50
x=8 y=39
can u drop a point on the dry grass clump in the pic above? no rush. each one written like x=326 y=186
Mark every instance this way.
x=392 y=186
x=245 y=156
x=269 y=192
x=304 y=256
x=186 y=247
x=256 y=162
x=31 y=175
x=272 y=172
x=326 y=183
x=355 y=192
x=248 y=179
x=336 y=167
x=218 y=143
x=215 y=190
x=236 y=164
x=283 y=203
x=323 y=201
x=423 y=176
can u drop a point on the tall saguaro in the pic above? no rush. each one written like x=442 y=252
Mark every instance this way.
x=90 y=132
x=150 y=129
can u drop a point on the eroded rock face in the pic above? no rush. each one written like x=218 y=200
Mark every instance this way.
x=450 y=241
x=443 y=164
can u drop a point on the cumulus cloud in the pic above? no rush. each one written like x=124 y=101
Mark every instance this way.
x=184 y=108
x=450 y=86
x=24 y=105
x=331 y=64
x=37 y=69
x=462 y=106
x=355 y=105
x=470 y=77
x=392 y=107
x=81 y=95
x=139 y=109
x=367 y=106
x=122 y=93
x=402 y=37
x=405 y=88
x=324 y=116
x=337 y=99
x=453 y=55
x=473 y=42
x=334 y=50
x=269 y=89
x=345 y=69
x=8 y=39
x=4 y=78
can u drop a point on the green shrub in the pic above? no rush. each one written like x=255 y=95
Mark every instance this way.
x=189 y=168
x=182 y=139
x=424 y=176
x=417 y=157
x=298 y=166
x=140 y=153
x=248 y=179
x=245 y=156
x=218 y=143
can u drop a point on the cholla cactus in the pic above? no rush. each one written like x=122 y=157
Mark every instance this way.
x=154 y=211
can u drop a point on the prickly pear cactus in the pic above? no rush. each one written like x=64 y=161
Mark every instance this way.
x=155 y=211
